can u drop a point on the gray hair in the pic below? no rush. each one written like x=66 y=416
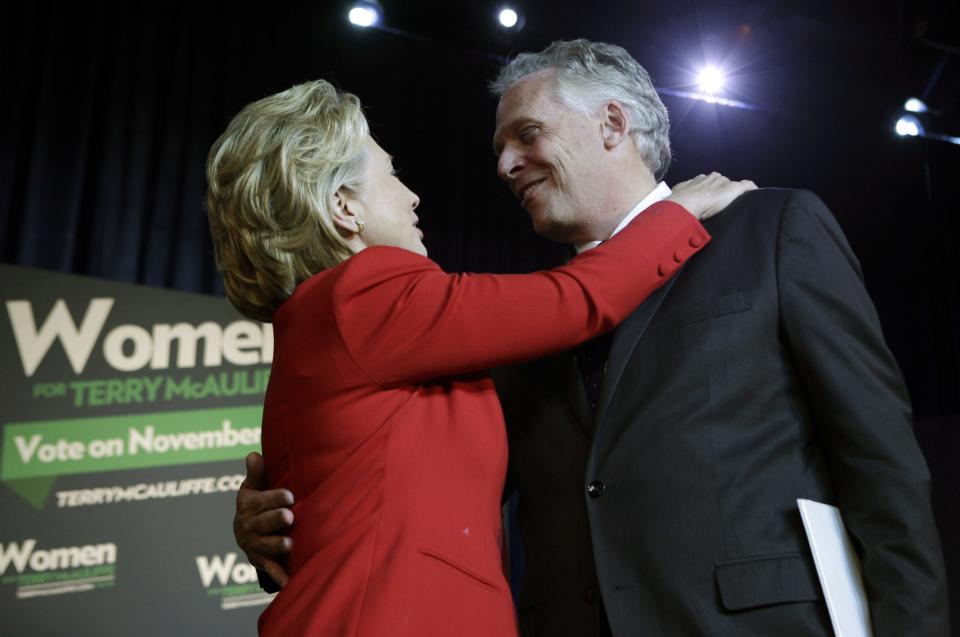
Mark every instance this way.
x=591 y=73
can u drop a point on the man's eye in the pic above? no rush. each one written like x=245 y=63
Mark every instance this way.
x=528 y=133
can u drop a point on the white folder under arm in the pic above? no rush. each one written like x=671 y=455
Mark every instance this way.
x=838 y=569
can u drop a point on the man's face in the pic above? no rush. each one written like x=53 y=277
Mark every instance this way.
x=551 y=156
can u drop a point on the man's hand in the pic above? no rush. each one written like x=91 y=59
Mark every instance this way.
x=260 y=518
x=706 y=195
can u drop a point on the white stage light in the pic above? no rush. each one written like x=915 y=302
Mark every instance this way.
x=365 y=14
x=508 y=17
x=909 y=126
x=711 y=80
x=362 y=16
x=914 y=105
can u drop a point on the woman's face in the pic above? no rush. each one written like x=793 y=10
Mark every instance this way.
x=385 y=206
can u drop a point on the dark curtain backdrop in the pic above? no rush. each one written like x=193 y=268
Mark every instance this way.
x=108 y=111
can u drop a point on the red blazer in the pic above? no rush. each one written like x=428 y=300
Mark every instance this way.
x=379 y=418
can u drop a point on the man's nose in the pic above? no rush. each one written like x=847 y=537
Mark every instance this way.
x=509 y=164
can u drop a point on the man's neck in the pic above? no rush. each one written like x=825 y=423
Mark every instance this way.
x=651 y=195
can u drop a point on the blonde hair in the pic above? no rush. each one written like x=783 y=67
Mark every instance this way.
x=272 y=177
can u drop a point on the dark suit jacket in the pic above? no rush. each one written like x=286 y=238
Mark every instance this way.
x=757 y=376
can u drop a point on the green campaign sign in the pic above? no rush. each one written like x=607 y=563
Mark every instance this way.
x=127 y=412
x=84 y=445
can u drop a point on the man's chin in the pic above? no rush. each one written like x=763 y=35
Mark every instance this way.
x=541 y=225
x=541 y=218
x=549 y=228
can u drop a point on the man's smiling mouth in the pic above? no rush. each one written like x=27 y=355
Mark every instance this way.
x=525 y=192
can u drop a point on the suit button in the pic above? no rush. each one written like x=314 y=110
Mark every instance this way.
x=661 y=271
x=596 y=489
x=678 y=257
x=590 y=595
x=696 y=242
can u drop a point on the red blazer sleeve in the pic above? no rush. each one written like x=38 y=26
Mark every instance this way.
x=405 y=320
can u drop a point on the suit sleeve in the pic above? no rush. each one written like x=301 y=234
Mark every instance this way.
x=863 y=420
x=266 y=582
x=404 y=320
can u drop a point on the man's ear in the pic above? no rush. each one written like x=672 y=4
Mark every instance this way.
x=615 y=125
x=347 y=210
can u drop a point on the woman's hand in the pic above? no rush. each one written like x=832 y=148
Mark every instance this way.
x=706 y=195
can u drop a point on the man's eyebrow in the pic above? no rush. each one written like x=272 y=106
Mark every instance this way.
x=511 y=126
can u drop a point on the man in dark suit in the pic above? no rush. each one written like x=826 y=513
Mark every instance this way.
x=658 y=469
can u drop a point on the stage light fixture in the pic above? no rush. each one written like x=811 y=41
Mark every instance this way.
x=508 y=17
x=711 y=80
x=909 y=126
x=364 y=14
x=915 y=105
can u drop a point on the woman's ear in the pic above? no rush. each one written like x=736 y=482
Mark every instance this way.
x=347 y=212
x=615 y=126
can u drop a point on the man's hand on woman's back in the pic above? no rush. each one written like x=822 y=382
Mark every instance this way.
x=261 y=519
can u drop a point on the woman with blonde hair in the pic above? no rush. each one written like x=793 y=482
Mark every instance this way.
x=378 y=414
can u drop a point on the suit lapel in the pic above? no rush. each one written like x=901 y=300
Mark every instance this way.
x=625 y=340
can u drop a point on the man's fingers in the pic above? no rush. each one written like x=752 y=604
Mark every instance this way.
x=276 y=573
x=253 y=502
x=271 y=522
x=269 y=548
x=256 y=471
x=262 y=550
